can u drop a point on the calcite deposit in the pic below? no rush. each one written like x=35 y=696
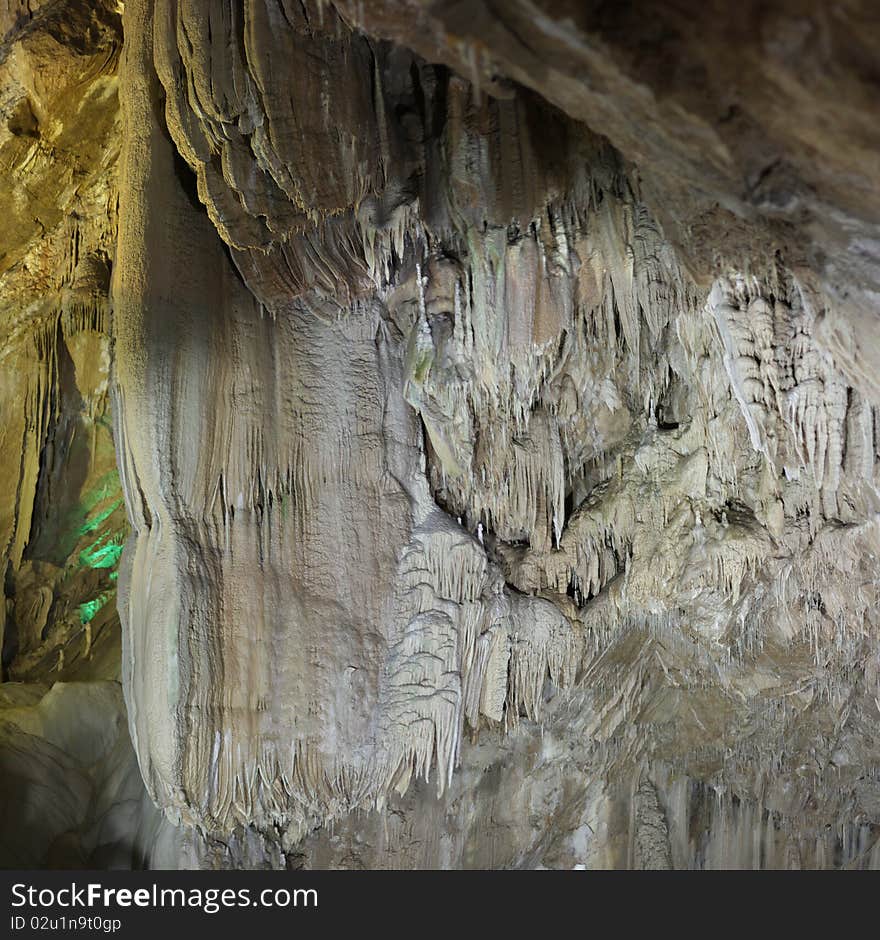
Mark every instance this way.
x=486 y=398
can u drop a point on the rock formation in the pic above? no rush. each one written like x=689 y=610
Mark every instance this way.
x=495 y=408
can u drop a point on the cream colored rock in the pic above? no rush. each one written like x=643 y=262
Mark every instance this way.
x=493 y=502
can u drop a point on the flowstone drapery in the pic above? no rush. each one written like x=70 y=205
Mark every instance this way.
x=496 y=421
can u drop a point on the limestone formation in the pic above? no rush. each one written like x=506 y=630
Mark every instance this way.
x=495 y=410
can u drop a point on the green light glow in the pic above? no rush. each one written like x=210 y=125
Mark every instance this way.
x=107 y=487
x=88 y=610
x=92 y=524
x=96 y=522
x=101 y=555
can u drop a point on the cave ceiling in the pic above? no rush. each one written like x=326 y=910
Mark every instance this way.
x=440 y=434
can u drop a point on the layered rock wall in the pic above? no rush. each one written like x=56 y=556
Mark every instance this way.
x=496 y=424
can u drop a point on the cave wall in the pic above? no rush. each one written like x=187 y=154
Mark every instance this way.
x=62 y=521
x=72 y=790
x=495 y=418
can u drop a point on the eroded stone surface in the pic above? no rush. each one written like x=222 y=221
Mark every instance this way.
x=72 y=793
x=62 y=522
x=501 y=494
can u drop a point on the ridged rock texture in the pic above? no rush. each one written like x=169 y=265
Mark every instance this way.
x=495 y=406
